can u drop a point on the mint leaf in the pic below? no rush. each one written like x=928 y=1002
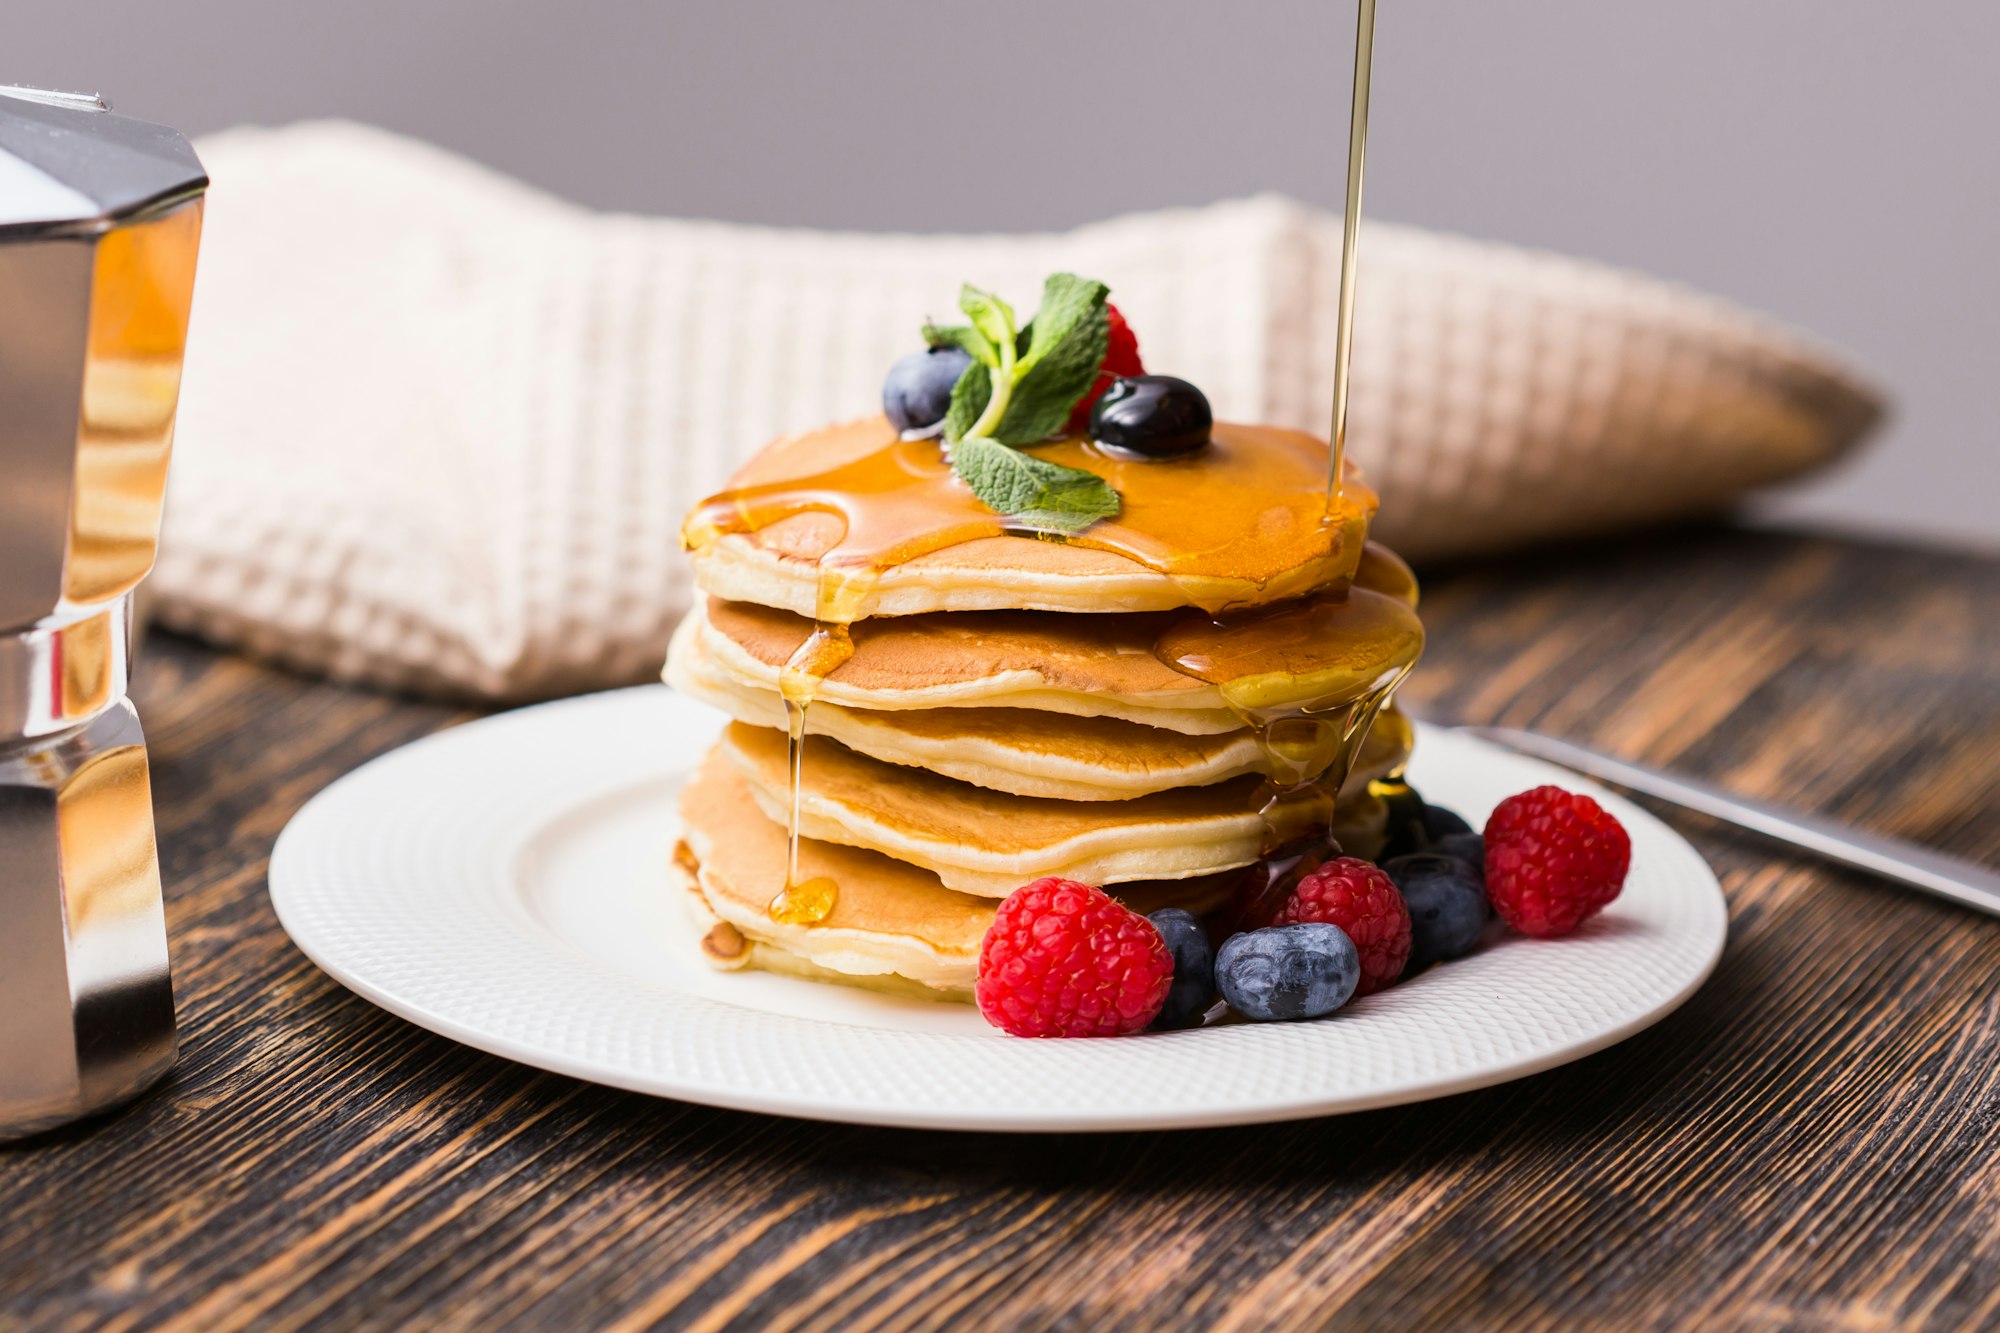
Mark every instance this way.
x=1028 y=381
x=960 y=335
x=968 y=401
x=1067 y=301
x=1038 y=495
x=990 y=315
x=1063 y=372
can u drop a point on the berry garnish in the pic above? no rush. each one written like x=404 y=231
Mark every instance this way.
x=1469 y=850
x=1284 y=972
x=1154 y=416
x=1363 y=902
x=1121 y=357
x=1063 y=959
x=917 y=392
x=1553 y=859
x=1440 y=823
x=1193 y=987
x=1447 y=906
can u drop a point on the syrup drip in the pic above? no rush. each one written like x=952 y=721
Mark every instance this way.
x=1307 y=678
x=810 y=901
x=1249 y=508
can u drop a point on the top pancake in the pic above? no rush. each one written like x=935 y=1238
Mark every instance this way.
x=1241 y=523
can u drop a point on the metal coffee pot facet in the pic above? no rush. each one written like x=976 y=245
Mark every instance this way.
x=100 y=220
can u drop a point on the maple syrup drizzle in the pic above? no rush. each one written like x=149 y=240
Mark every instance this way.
x=1307 y=679
x=1350 y=232
x=810 y=901
x=1249 y=509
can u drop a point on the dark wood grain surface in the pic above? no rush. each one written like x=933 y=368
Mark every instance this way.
x=1812 y=1142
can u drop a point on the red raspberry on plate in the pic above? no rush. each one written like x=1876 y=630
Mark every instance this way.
x=1121 y=358
x=1364 y=902
x=1553 y=859
x=1063 y=959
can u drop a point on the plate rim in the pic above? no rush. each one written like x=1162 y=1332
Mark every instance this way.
x=885 y=1112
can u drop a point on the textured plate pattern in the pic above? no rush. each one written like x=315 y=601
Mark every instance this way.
x=503 y=884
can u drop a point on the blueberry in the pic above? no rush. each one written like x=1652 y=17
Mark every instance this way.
x=1447 y=907
x=1440 y=823
x=1155 y=416
x=1283 y=972
x=1193 y=985
x=917 y=393
x=1469 y=848
x=1415 y=825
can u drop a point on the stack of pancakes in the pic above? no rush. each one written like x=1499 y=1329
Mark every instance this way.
x=1005 y=714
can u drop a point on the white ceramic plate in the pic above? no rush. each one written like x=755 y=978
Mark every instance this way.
x=504 y=884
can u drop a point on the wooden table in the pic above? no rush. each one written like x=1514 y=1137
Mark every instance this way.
x=1813 y=1141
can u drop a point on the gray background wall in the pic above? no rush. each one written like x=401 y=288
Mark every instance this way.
x=1835 y=162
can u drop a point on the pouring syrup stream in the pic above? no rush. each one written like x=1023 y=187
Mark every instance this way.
x=1350 y=226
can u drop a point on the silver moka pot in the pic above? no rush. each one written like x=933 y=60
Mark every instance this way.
x=100 y=219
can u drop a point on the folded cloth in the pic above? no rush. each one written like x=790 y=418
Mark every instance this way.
x=438 y=430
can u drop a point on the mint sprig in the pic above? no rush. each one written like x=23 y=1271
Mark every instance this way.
x=1020 y=391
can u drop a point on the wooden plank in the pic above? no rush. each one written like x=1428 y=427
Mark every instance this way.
x=1813 y=1141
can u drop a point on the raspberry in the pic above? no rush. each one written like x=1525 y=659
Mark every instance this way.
x=1363 y=901
x=1063 y=959
x=1553 y=859
x=1121 y=357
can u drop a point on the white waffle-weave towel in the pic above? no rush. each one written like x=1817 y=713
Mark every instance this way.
x=437 y=430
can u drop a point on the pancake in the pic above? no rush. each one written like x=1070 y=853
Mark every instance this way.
x=894 y=927
x=1083 y=666
x=1095 y=666
x=1022 y=751
x=1242 y=526
x=989 y=843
